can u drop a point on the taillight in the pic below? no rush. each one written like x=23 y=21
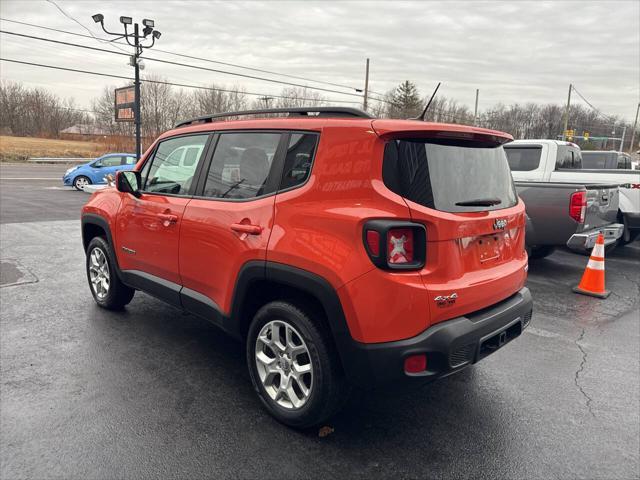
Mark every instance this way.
x=578 y=206
x=399 y=246
x=373 y=242
x=395 y=245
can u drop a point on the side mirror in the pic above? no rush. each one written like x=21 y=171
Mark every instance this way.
x=128 y=182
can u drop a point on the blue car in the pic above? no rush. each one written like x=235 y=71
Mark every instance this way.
x=96 y=170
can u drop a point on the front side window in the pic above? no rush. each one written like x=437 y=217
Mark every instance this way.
x=169 y=171
x=523 y=159
x=241 y=166
x=129 y=160
x=297 y=163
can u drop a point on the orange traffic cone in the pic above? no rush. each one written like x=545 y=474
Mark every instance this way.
x=592 y=282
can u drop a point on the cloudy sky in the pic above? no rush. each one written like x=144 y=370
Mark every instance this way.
x=513 y=51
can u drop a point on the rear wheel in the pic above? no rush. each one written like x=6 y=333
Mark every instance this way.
x=536 y=253
x=81 y=181
x=293 y=366
x=107 y=289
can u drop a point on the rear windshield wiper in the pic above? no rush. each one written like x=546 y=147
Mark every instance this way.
x=480 y=202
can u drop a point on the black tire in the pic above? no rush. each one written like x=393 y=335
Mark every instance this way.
x=118 y=294
x=79 y=178
x=537 y=253
x=329 y=389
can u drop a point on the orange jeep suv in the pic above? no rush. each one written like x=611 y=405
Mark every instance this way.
x=341 y=249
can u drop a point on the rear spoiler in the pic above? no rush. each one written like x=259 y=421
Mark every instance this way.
x=399 y=129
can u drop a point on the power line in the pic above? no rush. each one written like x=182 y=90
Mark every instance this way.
x=588 y=103
x=235 y=65
x=78 y=22
x=161 y=82
x=60 y=42
x=185 y=65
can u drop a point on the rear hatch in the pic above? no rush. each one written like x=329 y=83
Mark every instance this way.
x=459 y=187
x=601 y=206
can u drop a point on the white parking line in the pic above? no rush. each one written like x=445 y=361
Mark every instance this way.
x=29 y=178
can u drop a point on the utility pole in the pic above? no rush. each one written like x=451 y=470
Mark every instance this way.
x=135 y=60
x=633 y=132
x=566 y=115
x=624 y=131
x=475 y=112
x=366 y=87
x=266 y=100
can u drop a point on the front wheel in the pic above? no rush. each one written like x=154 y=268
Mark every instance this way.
x=107 y=289
x=81 y=181
x=293 y=366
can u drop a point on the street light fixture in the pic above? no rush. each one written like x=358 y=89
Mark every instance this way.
x=135 y=40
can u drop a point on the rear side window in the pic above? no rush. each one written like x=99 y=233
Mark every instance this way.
x=450 y=177
x=167 y=171
x=241 y=166
x=297 y=163
x=523 y=159
x=568 y=158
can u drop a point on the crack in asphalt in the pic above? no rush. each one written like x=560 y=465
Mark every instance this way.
x=589 y=400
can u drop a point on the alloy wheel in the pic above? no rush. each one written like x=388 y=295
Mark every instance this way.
x=99 y=273
x=284 y=364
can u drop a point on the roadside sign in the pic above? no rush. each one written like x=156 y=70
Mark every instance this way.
x=125 y=104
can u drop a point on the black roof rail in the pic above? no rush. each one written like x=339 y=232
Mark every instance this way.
x=299 y=111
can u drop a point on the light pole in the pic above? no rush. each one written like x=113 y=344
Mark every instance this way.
x=135 y=40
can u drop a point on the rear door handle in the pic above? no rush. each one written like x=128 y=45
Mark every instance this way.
x=168 y=218
x=246 y=228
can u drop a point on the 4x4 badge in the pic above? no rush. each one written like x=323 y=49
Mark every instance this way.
x=499 y=224
x=446 y=300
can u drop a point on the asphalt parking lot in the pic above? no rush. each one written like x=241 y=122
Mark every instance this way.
x=151 y=392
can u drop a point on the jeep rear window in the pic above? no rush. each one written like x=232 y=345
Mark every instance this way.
x=449 y=176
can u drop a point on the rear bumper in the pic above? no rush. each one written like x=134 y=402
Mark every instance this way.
x=449 y=346
x=586 y=240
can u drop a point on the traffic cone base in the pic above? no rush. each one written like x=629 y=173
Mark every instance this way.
x=592 y=282
x=604 y=294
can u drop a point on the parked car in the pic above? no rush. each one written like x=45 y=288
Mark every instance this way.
x=555 y=161
x=341 y=249
x=96 y=170
x=606 y=160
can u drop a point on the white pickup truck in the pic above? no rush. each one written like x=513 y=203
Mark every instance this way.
x=561 y=162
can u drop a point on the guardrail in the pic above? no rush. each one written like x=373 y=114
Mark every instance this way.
x=58 y=160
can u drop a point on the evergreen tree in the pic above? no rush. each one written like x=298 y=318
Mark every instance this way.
x=406 y=101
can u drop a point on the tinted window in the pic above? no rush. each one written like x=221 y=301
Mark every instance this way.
x=568 y=158
x=523 y=159
x=623 y=161
x=449 y=177
x=297 y=164
x=167 y=173
x=241 y=166
x=594 y=159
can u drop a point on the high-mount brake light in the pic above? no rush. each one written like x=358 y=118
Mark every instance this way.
x=578 y=206
x=400 y=246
